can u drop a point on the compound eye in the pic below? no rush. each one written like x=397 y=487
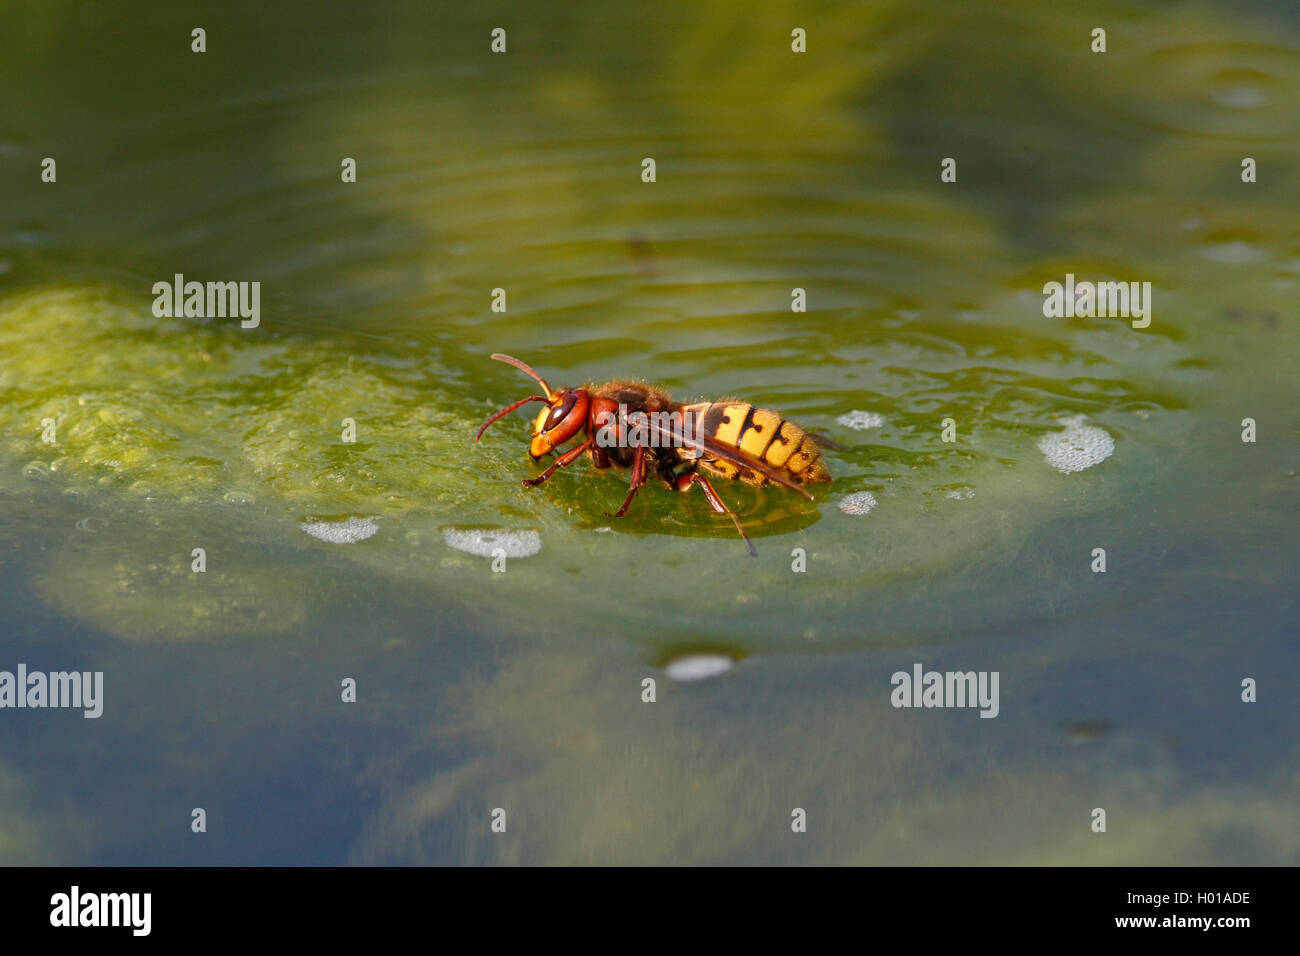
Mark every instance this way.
x=560 y=412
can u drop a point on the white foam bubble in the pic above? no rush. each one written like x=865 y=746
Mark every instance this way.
x=1235 y=251
x=961 y=493
x=860 y=420
x=858 y=503
x=1240 y=95
x=698 y=667
x=1080 y=446
x=349 y=531
x=486 y=542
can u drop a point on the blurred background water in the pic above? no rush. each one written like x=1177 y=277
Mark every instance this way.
x=523 y=689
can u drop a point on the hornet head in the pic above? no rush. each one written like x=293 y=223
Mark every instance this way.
x=565 y=414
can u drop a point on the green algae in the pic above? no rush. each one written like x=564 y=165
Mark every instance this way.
x=195 y=412
x=925 y=306
x=27 y=834
x=139 y=599
x=203 y=424
x=671 y=783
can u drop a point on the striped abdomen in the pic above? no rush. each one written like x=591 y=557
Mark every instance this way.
x=761 y=434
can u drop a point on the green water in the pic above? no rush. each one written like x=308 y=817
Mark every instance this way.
x=522 y=689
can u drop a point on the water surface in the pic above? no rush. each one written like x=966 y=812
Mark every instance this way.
x=370 y=560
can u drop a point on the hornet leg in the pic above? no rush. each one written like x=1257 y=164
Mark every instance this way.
x=695 y=478
x=568 y=458
x=638 y=479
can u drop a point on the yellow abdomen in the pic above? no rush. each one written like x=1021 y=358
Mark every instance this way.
x=762 y=434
